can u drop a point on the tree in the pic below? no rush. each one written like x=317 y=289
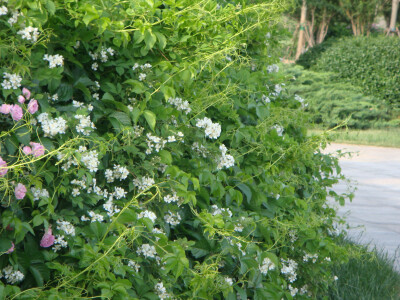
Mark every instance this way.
x=361 y=14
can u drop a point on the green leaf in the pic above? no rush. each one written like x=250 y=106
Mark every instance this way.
x=138 y=87
x=37 y=220
x=162 y=41
x=150 y=118
x=150 y=39
x=166 y=157
x=50 y=7
x=122 y=117
x=23 y=135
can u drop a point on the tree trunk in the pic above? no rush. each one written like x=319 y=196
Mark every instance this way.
x=300 y=43
x=323 y=27
x=393 y=18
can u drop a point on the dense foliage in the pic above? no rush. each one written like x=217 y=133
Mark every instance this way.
x=368 y=62
x=332 y=103
x=148 y=151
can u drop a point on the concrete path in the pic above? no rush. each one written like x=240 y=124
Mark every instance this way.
x=376 y=205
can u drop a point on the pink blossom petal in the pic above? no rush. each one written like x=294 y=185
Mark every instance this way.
x=20 y=191
x=21 y=99
x=27 y=150
x=11 y=249
x=16 y=112
x=37 y=149
x=5 y=109
x=3 y=167
x=26 y=93
x=47 y=239
x=33 y=106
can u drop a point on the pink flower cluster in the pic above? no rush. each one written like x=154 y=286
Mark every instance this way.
x=3 y=167
x=47 y=239
x=36 y=150
x=15 y=110
x=20 y=191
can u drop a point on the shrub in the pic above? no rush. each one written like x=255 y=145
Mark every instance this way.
x=148 y=151
x=332 y=104
x=368 y=62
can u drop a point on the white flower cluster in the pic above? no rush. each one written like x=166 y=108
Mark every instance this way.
x=309 y=256
x=171 y=198
x=54 y=97
x=142 y=67
x=161 y=291
x=119 y=193
x=14 y=18
x=289 y=269
x=226 y=160
x=266 y=266
x=180 y=104
x=279 y=129
x=111 y=208
x=293 y=290
x=200 y=149
x=66 y=226
x=229 y=280
x=221 y=211
x=84 y=124
x=93 y=217
x=172 y=219
x=273 y=68
x=119 y=172
x=3 y=10
x=301 y=100
x=11 y=81
x=149 y=215
x=211 y=130
x=54 y=60
x=59 y=243
x=102 y=54
x=147 y=251
x=29 y=33
x=293 y=236
x=238 y=228
x=11 y=276
x=134 y=265
x=51 y=127
x=142 y=76
x=89 y=158
x=155 y=143
x=265 y=99
x=81 y=184
x=39 y=193
x=143 y=183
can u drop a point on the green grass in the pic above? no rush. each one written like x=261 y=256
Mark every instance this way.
x=368 y=275
x=371 y=137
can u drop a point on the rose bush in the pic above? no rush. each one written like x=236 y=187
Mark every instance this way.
x=148 y=151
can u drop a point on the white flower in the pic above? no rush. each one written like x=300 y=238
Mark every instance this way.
x=90 y=160
x=289 y=269
x=265 y=99
x=3 y=10
x=161 y=291
x=14 y=18
x=51 y=127
x=95 y=217
x=11 y=81
x=149 y=215
x=180 y=104
x=39 y=193
x=95 y=66
x=228 y=280
x=119 y=193
x=75 y=192
x=172 y=219
x=211 y=130
x=143 y=183
x=221 y=211
x=54 y=97
x=279 y=129
x=147 y=251
x=293 y=290
x=266 y=266
x=238 y=228
x=96 y=96
x=111 y=208
x=109 y=175
x=11 y=276
x=84 y=124
x=120 y=173
x=226 y=160
x=59 y=243
x=29 y=33
x=171 y=198
x=54 y=60
x=134 y=265
x=66 y=226
x=142 y=76
x=273 y=68
x=135 y=66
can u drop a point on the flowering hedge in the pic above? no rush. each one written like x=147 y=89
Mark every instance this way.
x=149 y=151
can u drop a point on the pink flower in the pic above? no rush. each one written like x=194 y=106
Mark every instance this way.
x=47 y=239
x=5 y=108
x=33 y=106
x=20 y=191
x=16 y=112
x=26 y=93
x=27 y=150
x=3 y=167
x=21 y=99
x=37 y=149
x=11 y=249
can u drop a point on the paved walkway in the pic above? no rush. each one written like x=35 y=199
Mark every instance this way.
x=376 y=205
